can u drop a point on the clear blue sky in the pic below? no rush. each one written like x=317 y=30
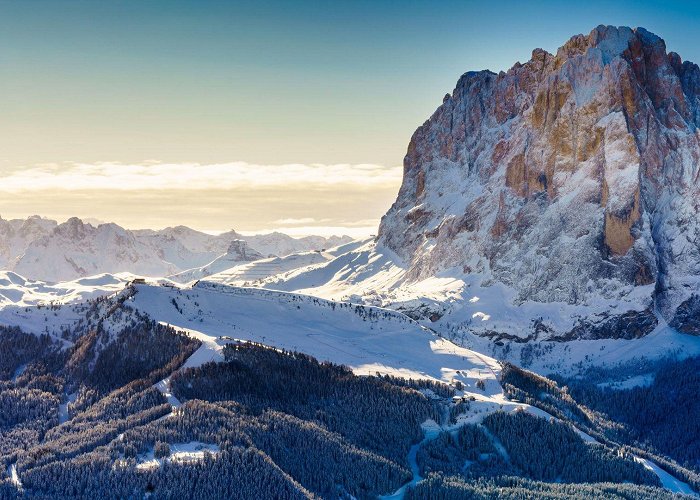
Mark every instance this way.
x=263 y=82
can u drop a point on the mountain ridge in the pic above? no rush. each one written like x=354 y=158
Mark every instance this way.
x=43 y=249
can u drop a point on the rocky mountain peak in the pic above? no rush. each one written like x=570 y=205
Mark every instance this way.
x=571 y=177
x=239 y=250
x=73 y=228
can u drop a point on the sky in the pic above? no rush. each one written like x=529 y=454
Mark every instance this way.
x=252 y=116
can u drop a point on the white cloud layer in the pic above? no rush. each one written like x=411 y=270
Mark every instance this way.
x=296 y=199
x=300 y=221
x=194 y=176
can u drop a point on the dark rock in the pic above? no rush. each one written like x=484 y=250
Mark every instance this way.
x=687 y=318
x=628 y=326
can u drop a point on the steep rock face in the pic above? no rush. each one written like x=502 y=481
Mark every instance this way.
x=240 y=251
x=687 y=317
x=569 y=178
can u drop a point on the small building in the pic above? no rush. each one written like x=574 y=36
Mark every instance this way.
x=138 y=281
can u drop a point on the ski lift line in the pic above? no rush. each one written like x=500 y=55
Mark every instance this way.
x=334 y=347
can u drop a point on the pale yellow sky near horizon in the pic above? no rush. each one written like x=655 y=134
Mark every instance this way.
x=298 y=199
x=271 y=83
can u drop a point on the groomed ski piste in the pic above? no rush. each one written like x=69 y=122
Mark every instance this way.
x=369 y=340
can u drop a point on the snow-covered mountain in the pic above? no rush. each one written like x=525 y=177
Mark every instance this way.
x=555 y=201
x=239 y=252
x=564 y=192
x=134 y=326
x=17 y=234
x=43 y=249
x=184 y=247
x=280 y=244
x=547 y=219
x=75 y=249
x=571 y=177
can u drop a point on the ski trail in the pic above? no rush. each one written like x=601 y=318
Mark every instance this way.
x=14 y=477
x=431 y=430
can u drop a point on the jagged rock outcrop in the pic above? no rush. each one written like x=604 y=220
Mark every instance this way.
x=687 y=317
x=240 y=251
x=571 y=178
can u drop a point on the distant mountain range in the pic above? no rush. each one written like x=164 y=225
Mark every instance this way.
x=39 y=248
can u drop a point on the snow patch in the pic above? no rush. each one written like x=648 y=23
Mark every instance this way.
x=482 y=316
x=193 y=451
x=14 y=477
x=63 y=414
x=667 y=480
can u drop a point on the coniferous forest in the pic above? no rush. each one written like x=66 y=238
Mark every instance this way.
x=93 y=420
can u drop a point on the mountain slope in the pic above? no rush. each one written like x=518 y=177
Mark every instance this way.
x=260 y=272
x=103 y=401
x=17 y=234
x=367 y=339
x=238 y=253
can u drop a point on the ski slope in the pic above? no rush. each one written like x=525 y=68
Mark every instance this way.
x=279 y=268
x=470 y=310
x=369 y=340
x=260 y=270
